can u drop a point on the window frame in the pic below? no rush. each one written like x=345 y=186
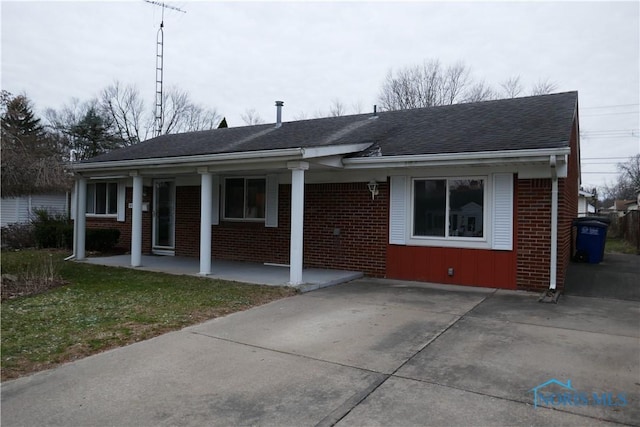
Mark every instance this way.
x=107 y=201
x=244 y=208
x=455 y=241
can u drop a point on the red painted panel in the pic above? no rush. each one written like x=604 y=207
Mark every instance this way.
x=472 y=267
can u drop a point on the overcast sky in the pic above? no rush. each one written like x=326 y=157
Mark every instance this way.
x=235 y=56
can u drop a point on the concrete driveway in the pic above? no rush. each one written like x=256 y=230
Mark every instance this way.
x=370 y=352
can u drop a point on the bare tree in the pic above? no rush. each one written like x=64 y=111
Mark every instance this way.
x=543 y=87
x=300 y=116
x=181 y=114
x=511 y=87
x=356 y=107
x=337 y=108
x=479 y=91
x=124 y=105
x=424 y=85
x=250 y=117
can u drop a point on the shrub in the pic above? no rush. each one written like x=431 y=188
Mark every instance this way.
x=102 y=239
x=18 y=236
x=52 y=230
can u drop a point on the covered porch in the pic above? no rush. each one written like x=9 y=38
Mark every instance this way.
x=237 y=271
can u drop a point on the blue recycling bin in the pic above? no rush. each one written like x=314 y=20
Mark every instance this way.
x=590 y=240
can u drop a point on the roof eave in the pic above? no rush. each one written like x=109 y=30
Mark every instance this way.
x=259 y=156
x=485 y=158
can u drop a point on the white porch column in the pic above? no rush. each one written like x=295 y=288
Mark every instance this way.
x=136 y=221
x=206 y=194
x=81 y=219
x=297 y=221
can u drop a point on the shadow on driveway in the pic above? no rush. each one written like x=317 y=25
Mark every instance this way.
x=617 y=276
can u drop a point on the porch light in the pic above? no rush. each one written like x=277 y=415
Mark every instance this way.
x=373 y=189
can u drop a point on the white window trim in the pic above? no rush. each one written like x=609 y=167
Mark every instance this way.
x=104 y=215
x=224 y=199
x=453 y=241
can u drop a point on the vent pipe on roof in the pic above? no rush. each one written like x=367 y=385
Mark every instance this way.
x=279 y=105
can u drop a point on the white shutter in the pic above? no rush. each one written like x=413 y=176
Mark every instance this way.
x=502 y=221
x=271 y=210
x=215 y=200
x=73 y=201
x=398 y=211
x=122 y=191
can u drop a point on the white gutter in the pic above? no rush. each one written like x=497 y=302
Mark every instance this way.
x=237 y=157
x=191 y=160
x=473 y=158
x=554 y=223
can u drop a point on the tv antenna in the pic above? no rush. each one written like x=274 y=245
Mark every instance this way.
x=159 y=65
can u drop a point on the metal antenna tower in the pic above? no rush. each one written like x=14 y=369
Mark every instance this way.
x=159 y=66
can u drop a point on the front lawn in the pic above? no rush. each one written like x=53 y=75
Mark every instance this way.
x=97 y=308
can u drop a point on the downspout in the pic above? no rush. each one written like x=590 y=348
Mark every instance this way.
x=554 y=223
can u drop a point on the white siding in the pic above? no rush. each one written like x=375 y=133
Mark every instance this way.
x=398 y=210
x=502 y=228
x=20 y=209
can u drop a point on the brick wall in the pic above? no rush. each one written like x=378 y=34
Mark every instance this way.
x=533 y=199
x=360 y=243
x=534 y=225
x=567 y=208
x=124 y=242
x=345 y=228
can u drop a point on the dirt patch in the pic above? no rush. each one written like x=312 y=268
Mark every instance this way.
x=14 y=287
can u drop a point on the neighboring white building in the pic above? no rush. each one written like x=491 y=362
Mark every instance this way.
x=584 y=203
x=21 y=209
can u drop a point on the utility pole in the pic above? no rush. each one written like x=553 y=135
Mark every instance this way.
x=159 y=116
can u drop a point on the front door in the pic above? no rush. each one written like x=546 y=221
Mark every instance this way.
x=164 y=217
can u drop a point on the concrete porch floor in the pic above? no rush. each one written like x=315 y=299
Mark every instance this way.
x=260 y=274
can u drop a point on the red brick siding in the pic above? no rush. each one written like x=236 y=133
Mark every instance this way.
x=567 y=208
x=534 y=225
x=533 y=233
x=362 y=223
x=361 y=244
x=238 y=241
x=125 y=227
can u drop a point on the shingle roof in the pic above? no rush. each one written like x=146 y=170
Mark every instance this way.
x=535 y=122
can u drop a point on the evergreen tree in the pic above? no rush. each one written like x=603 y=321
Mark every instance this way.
x=92 y=135
x=223 y=123
x=31 y=159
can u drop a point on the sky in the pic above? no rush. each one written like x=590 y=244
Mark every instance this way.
x=236 y=56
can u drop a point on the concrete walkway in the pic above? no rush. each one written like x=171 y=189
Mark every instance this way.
x=366 y=353
x=246 y=272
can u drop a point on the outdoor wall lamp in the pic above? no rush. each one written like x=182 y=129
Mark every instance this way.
x=373 y=189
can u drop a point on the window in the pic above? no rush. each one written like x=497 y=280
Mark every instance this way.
x=102 y=198
x=244 y=198
x=448 y=208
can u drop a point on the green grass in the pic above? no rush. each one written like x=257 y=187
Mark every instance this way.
x=617 y=245
x=105 y=307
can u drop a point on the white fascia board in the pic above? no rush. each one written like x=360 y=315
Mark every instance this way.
x=200 y=160
x=455 y=159
x=261 y=156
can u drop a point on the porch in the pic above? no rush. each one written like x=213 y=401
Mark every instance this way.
x=255 y=273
